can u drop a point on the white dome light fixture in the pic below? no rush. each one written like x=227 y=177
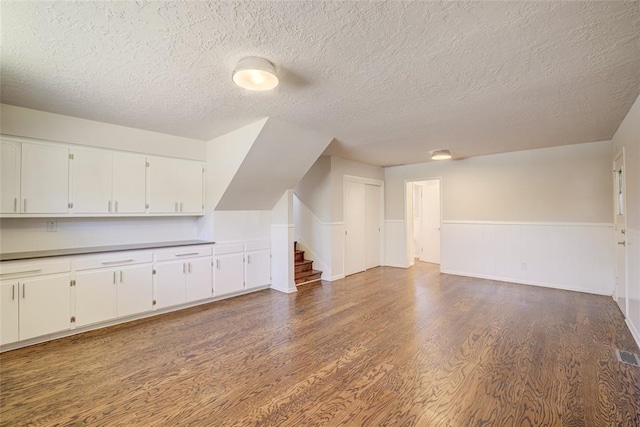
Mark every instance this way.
x=255 y=74
x=440 y=155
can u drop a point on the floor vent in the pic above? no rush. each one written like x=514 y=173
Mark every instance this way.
x=628 y=358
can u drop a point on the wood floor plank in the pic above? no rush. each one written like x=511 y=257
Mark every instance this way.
x=389 y=347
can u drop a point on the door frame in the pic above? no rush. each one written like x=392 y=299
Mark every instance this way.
x=620 y=153
x=408 y=217
x=361 y=180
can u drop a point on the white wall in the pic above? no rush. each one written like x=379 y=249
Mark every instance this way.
x=563 y=189
x=18 y=121
x=628 y=136
x=20 y=234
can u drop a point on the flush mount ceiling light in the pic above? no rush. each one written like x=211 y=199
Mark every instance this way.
x=255 y=74
x=440 y=155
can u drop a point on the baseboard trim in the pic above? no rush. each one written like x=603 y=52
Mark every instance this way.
x=522 y=282
x=634 y=332
x=395 y=265
x=286 y=291
x=336 y=277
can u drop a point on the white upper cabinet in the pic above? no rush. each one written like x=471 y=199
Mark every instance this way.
x=106 y=182
x=44 y=179
x=129 y=183
x=91 y=176
x=10 y=177
x=175 y=186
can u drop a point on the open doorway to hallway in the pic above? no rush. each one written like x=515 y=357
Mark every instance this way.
x=423 y=208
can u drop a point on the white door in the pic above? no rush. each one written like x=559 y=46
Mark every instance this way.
x=620 y=232
x=228 y=274
x=135 y=290
x=163 y=197
x=373 y=224
x=170 y=283
x=417 y=220
x=44 y=178
x=190 y=181
x=199 y=279
x=91 y=181
x=129 y=183
x=10 y=177
x=355 y=228
x=96 y=293
x=430 y=224
x=45 y=306
x=258 y=269
x=9 y=293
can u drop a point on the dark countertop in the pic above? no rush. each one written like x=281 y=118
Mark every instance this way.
x=97 y=249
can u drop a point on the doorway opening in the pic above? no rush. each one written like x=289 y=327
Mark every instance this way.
x=423 y=218
x=620 y=221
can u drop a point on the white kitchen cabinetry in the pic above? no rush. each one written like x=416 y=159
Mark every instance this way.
x=106 y=182
x=182 y=275
x=175 y=186
x=257 y=266
x=44 y=179
x=10 y=177
x=109 y=286
x=228 y=269
x=35 y=299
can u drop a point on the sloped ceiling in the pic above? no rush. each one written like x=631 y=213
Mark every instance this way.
x=388 y=80
x=277 y=160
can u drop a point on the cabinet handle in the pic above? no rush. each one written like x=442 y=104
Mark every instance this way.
x=181 y=206
x=189 y=267
x=218 y=264
x=109 y=206
x=114 y=277
x=121 y=276
x=187 y=254
x=13 y=292
x=184 y=268
x=24 y=208
x=116 y=206
x=176 y=207
x=24 y=292
x=117 y=262
x=248 y=259
x=15 y=204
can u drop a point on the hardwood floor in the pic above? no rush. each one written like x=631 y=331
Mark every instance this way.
x=385 y=347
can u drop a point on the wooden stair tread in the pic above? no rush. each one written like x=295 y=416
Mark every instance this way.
x=308 y=273
x=310 y=278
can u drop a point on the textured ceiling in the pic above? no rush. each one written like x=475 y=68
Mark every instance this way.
x=388 y=80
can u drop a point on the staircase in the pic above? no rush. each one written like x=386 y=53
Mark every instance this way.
x=304 y=272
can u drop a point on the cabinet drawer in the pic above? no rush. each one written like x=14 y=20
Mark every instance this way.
x=229 y=249
x=114 y=259
x=181 y=252
x=257 y=245
x=9 y=270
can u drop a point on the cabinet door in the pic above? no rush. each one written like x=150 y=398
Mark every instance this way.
x=190 y=181
x=45 y=306
x=258 y=269
x=163 y=197
x=170 y=283
x=129 y=183
x=96 y=296
x=135 y=290
x=228 y=274
x=44 y=178
x=10 y=177
x=9 y=312
x=91 y=176
x=199 y=279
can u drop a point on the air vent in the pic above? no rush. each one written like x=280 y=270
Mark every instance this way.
x=628 y=358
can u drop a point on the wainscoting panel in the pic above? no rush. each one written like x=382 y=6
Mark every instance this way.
x=572 y=256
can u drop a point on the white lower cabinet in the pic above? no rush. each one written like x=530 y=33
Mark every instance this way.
x=34 y=306
x=106 y=294
x=257 y=269
x=228 y=274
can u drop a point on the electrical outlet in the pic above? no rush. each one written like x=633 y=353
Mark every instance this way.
x=52 y=226
x=523 y=266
